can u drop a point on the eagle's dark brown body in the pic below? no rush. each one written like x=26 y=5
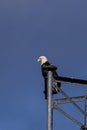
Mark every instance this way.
x=55 y=76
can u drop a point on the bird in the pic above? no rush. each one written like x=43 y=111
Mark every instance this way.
x=45 y=63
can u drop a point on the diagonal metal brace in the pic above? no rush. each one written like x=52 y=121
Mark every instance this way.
x=67 y=115
x=77 y=106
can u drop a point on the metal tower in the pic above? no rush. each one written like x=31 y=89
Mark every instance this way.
x=53 y=103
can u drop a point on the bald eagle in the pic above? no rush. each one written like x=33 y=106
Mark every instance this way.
x=44 y=62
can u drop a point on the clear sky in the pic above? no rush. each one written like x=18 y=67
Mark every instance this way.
x=28 y=29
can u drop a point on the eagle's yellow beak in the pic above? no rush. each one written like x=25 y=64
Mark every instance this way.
x=39 y=60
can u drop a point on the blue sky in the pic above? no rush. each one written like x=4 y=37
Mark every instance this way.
x=28 y=29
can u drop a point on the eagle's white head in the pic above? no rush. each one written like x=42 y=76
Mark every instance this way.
x=42 y=59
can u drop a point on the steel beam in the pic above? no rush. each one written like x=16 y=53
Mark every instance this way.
x=49 y=102
x=71 y=80
x=67 y=100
